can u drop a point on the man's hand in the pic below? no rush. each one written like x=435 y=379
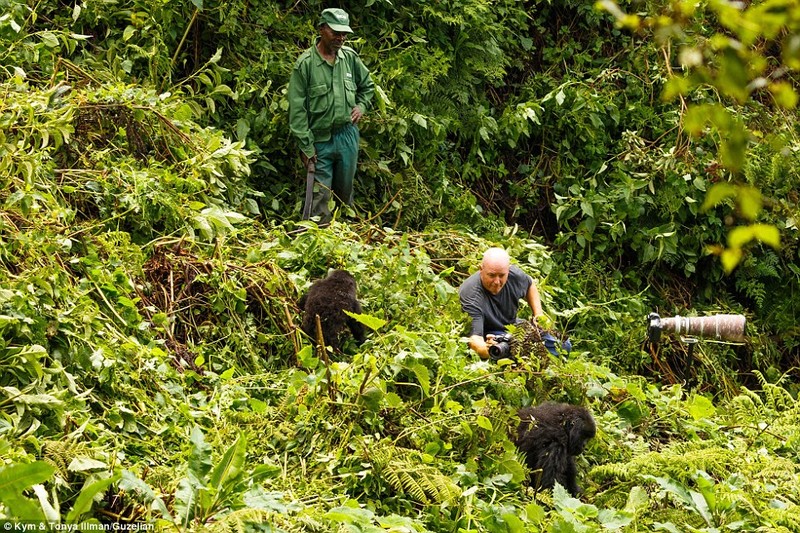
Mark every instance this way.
x=307 y=159
x=480 y=346
x=356 y=114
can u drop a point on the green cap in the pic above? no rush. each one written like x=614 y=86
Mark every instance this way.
x=337 y=19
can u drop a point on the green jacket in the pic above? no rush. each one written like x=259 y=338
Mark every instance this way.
x=322 y=95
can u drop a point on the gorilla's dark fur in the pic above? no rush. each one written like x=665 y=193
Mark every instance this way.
x=328 y=298
x=551 y=435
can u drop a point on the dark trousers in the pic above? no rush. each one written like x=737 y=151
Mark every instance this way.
x=337 y=160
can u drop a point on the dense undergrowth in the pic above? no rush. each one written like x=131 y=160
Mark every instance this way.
x=151 y=368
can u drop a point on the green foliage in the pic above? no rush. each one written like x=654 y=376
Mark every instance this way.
x=151 y=367
x=14 y=479
x=746 y=53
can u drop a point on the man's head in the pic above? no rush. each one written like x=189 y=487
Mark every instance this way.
x=494 y=269
x=334 y=26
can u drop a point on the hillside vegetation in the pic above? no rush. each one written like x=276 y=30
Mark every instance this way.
x=152 y=373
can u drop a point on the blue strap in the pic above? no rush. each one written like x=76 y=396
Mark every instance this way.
x=550 y=344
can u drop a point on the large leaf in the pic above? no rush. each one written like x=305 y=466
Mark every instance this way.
x=16 y=478
x=200 y=460
x=373 y=323
x=83 y=503
x=230 y=465
x=718 y=193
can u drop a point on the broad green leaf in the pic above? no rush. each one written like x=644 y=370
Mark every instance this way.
x=349 y=515
x=224 y=90
x=768 y=234
x=307 y=359
x=258 y=406
x=666 y=526
x=186 y=497
x=200 y=458
x=484 y=423
x=423 y=376
x=631 y=411
x=419 y=120
x=264 y=471
x=513 y=523
x=397 y=523
x=83 y=503
x=258 y=498
x=638 y=498
x=732 y=78
x=696 y=118
x=785 y=96
x=587 y=208
x=230 y=465
x=18 y=477
x=184 y=112
x=750 y=202
x=373 y=323
x=613 y=520
x=393 y=400
x=716 y=194
x=739 y=236
x=83 y=464
x=50 y=510
x=372 y=398
x=535 y=513
x=700 y=407
x=701 y=504
x=49 y=39
x=730 y=257
x=511 y=466
x=129 y=482
x=242 y=129
x=733 y=147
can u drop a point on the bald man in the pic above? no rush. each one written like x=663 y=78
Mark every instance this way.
x=491 y=298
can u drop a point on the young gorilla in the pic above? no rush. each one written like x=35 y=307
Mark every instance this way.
x=329 y=298
x=551 y=435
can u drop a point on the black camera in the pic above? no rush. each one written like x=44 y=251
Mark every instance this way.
x=501 y=348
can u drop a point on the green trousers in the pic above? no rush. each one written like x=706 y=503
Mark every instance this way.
x=336 y=167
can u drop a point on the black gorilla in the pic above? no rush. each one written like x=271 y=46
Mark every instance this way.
x=551 y=435
x=329 y=298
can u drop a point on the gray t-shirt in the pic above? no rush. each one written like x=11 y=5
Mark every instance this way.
x=493 y=312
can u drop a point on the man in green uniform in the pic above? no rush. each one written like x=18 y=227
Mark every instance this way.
x=329 y=91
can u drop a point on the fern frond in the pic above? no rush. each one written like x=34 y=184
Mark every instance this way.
x=241 y=521
x=405 y=480
x=544 y=497
x=776 y=399
x=746 y=405
x=61 y=453
x=775 y=471
x=782 y=519
x=677 y=462
x=249 y=520
x=404 y=470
